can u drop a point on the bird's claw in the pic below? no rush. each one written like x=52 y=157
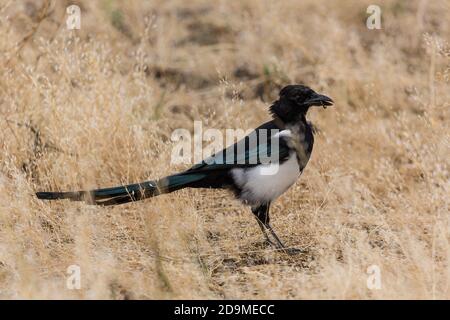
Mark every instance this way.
x=293 y=251
x=278 y=247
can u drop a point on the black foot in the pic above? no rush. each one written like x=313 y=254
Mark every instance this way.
x=282 y=248
x=292 y=251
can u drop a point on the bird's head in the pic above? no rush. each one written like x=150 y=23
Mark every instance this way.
x=295 y=100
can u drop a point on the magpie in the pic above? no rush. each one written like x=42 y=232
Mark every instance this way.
x=258 y=168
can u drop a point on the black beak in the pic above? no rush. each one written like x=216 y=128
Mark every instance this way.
x=319 y=100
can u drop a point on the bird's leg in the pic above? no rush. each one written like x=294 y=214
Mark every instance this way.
x=279 y=245
x=262 y=216
x=256 y=211
x=263 y=229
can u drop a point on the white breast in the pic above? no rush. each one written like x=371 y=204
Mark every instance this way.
x=265 y=183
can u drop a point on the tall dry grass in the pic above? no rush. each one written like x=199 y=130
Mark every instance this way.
x=96 y=107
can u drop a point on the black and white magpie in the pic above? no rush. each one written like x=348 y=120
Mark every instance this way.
x=258 y=169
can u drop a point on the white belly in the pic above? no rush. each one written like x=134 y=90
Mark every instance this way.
x=265 y=183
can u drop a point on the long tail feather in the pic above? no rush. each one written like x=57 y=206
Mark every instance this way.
x=127 y=193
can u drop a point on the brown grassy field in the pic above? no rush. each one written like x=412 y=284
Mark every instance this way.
x=96 y=107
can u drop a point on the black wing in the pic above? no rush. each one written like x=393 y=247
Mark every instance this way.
x=262 y=146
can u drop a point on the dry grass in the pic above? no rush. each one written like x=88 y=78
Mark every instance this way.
x=96 y=107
